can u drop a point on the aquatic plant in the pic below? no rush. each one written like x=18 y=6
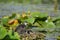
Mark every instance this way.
x=20 y=26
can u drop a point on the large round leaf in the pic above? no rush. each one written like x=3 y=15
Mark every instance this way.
x=38 y=14
x=47 y=26
x=15 y=36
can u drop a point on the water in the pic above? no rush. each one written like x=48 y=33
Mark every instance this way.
x=9 y=8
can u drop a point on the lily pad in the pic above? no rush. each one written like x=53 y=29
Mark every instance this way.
x=30 y=20
x=3 y=32
x=47 y=26
x=50 y=26
x=15 y=36
x=38 y=14
x=4 y=20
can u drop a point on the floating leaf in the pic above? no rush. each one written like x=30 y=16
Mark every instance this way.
x=3 y=32
x=47 y=26
x=58 y=38
x=5 y=20
x=38 y=14
x=36 y=24
x=50 y=26
x=15 y=36
x=57 y=25
x=18 y=16
x=30 y=20
x=56 y=18
x=13 y=15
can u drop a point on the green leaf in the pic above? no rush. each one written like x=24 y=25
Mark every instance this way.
x=30 y=20
x=38 y=14
x=56 y=21
x=58 y=24
x=13 y=15
x=58 y=38
x=47 y=26
x=18 y=16
x=55 y=18
x=50 y=26
x=3 y=32
x=41 y=26
x=15 y=36
x=36 y=24
x=4 y=20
